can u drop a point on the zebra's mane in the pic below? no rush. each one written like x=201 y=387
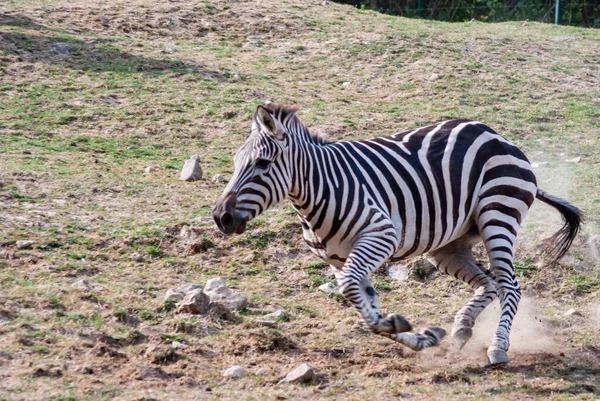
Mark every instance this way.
x=287 y=116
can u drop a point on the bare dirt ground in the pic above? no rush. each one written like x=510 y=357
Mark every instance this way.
x=92 y=93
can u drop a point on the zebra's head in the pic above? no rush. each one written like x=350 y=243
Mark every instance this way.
x=262 y=176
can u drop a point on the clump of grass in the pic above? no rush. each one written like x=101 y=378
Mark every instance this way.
x=154 y=251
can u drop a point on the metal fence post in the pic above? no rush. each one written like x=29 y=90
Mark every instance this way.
x=557 y=13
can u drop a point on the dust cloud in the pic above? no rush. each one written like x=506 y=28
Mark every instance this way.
x=530 y=332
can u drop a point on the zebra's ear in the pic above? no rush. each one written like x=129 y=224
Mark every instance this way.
x=268 y=123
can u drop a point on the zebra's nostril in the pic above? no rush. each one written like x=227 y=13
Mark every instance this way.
x=226 y=219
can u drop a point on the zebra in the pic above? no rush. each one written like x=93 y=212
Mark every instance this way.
x=435 y=191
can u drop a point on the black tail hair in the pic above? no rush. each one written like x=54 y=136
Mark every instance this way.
x=573 y=218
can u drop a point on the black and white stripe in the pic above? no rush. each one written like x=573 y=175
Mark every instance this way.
x=436 y=190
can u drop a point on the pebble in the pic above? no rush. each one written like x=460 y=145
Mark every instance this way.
x=434 y=77
x=574 y=160
x=302 y=374
x=133 y=147
x=345 y=84
x=218 y=178
x=572 y=312
x=328 y=288
x=278 y=315
x=150 y=169
x=26 y=152
x=179 y=345
x=191 y=169
x=24 y=244
x=235 y=372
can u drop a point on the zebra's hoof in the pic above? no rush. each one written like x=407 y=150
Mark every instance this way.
x=496 y=356
x=435 y=334
x=462 y=336
x=399 y=324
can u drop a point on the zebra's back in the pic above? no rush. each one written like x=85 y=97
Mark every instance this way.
x=429 y=180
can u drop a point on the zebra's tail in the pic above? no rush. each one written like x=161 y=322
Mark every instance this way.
x=573 y=218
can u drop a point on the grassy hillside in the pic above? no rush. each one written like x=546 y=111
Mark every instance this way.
x=91 y=95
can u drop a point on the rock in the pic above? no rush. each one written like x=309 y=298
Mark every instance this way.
x=195 y=302
x=434 y=77
x=150 y=169
x=189 y=287
x=262 y=372
x=302 y=374
x=574 y=160
x=235 y=372
x=133 y=147
x=173 y=294
x=62 y=48
x=279 y=316
x=218 y=291
x=179 y=345
x=82 y=284
x=345 y=84
x=151 y=374
x=191 y=169
x=24 y=244
x=218 y=178
x=572 y=312
x=26 y=152
x=221 y=312
x=328 y=288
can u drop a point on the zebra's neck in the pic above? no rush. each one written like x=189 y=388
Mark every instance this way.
x=307 y=159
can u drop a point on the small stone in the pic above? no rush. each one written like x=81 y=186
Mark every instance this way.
x=174 y=294
x=218 y=291
x=302 y=374
x=345 y=84
x=572 y=312
x=133 y=147
x=179 y=345
x=82 y=284
x=137 y=257
x=150 y=169
x=62 y=48
x=279 y=315
x=434 y=77
x=24 y=244
x=574 y=160
x=235 y=372
x=218 y=178
x=191 y=169
x=195 y=302
x=26 y=152
x=328 y=288
x=248 y=259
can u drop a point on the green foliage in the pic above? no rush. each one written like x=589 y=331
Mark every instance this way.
x=574 y=12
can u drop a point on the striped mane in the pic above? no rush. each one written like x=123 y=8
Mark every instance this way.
x=287 y=116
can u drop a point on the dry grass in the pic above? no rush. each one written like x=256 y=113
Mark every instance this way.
x=144 y=84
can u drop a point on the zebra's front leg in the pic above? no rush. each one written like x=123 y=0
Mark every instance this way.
x=358 y=290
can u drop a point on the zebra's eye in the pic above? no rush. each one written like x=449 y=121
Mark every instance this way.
x=263 y=163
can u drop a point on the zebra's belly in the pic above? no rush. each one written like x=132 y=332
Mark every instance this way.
x=333 y=253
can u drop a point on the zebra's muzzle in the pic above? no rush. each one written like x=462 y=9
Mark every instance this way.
x=225 y=216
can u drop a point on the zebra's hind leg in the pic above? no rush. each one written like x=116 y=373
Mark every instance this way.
x=456 y=259
x=392 y=323
x=499 y=233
